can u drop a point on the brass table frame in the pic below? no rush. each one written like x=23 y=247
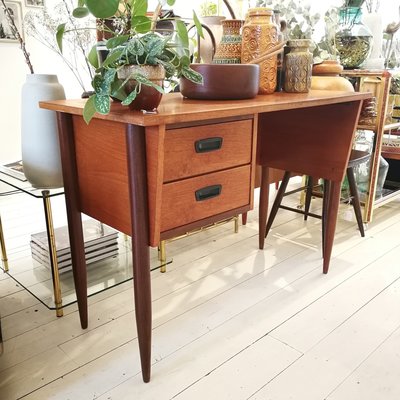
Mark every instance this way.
x=45 y=195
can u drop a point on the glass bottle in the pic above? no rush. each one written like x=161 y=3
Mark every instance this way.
x=353 y=39
x=298 y=66
x=259 y=35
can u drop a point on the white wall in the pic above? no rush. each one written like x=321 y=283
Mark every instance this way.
x=13 y=71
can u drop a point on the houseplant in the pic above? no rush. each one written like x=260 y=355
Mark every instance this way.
x=134 y=42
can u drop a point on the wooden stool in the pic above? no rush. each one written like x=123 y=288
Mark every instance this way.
x=357 y=157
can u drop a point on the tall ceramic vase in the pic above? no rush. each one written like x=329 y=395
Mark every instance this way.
x=39 y=137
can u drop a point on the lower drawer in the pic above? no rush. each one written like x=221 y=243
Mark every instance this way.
x=193 y=199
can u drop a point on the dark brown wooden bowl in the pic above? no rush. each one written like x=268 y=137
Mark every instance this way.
x=223 y=82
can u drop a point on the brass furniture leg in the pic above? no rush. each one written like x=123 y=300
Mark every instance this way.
x=162 y=256
x=4 y=258
x=52 y=253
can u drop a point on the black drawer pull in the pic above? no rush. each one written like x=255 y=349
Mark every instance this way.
x=208 y=192
x=209 y=144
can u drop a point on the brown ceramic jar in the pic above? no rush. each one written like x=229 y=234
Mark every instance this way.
x=259 y=35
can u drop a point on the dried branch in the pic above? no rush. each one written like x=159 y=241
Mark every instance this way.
x=15 y=32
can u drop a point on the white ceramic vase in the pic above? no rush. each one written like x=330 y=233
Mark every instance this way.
x=39 y=136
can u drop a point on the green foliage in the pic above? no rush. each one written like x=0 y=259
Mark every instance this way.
x=133 y=41
x=299 y=21
x=208 y=8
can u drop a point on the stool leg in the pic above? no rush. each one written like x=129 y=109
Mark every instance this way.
x=310 y=185
x=277 y=201
x=355 y=199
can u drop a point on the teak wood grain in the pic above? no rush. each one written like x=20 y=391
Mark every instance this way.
x=180 y=207
x=176 y=109
x=114 y=171
x=181 y=159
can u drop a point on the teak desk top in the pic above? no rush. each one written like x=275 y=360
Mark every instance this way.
x=114 y=169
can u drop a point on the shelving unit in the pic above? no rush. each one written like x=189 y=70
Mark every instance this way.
x=378 y=83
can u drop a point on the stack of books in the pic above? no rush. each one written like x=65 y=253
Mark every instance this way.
x=101 y=242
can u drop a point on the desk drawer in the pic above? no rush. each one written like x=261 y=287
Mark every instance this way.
x=193 y=199
x=201 y=149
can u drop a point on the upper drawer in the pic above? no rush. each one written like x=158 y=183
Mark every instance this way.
x=201 y=149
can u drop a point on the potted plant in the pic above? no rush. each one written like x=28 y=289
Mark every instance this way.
x=135 y=50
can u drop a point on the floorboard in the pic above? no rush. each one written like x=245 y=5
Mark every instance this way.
x=229 y=321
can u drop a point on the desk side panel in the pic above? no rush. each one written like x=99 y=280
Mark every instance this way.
x=102 y=171
x=313 y=141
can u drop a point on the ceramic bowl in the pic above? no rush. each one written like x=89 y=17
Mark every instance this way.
x=223 y=82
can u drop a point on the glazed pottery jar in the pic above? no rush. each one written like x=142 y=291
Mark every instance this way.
x=259 y=35
x=229 y=49
x=298 y=66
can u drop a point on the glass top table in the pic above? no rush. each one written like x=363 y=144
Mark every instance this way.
x=46 y=274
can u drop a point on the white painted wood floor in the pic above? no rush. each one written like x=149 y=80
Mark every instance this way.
x=229 y=321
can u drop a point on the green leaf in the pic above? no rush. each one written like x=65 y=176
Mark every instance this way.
x=89 y=110
x=197 y=23
x=112 y=57
x=139 y=8
x=59 y=35
x=141 y=24
x=143 y=80
x=102 y=104
x=132 y=96
x=81 y=3
x=93 y=58
x=182 y=33
x=171 y=2
x=117 y=90
x=135 y=47
x=102 y=8
x=192 y=75
x=185 y=61
x=102 y=83
x=169 y=68
x=80 y=12
x=155 y=46
x=116 y=41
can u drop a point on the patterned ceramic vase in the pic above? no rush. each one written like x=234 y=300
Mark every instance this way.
x=298 y=66
x=229 y=49
x=259 y=35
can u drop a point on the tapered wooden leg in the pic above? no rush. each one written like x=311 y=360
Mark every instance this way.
x=263 y=206
x=330 y=222
x=70 y=177
x=277 y=201
x=136 y=150
x=325 y=205
x=244 y=218
x=355 y=201
x=310 y=185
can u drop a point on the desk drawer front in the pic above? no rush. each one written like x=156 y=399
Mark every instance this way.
x=202 y=149
x=193 y=199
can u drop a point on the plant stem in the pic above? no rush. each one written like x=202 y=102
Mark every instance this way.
x=17 y=35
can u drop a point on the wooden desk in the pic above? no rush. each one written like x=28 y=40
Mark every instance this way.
x=141 y=174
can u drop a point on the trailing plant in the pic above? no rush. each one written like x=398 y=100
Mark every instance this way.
x=133 y=40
